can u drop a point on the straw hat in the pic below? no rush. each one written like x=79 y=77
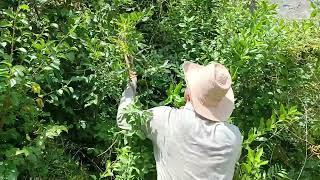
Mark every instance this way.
x=210 y=90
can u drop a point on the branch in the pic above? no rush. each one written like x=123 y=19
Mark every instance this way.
x=306 y=141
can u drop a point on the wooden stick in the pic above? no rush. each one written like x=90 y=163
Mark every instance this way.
x=129 y=61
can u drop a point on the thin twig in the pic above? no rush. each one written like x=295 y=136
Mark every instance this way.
x=306 y=141
x=91 y=161
x=76 y=153
x=108 y=148
x=13 y=30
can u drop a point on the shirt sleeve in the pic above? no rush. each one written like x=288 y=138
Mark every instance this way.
x=240 y=149
x=126 y=99
x=157 y=122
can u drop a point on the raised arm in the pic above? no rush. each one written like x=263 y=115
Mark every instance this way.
x=127 y=98
x=159 y=116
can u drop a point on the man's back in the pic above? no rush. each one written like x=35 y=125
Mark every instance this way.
x=195 y=142
x=186 y=146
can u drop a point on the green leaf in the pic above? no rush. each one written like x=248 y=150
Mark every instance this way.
x=22 y=50
x=48 y=68
x=313 y=5
x=250 y=155
x=3 y=44
x=141 y=135
x=13 y=82
x=71 y=89
x=92 y=99
x=182 y=25
x=259 y=154
x=55 y=25
x=263 y=163
x=24 y=7
x=93 y=177
x=74 y=48
x=40 y=103
x=23 y=151
x=70 y=56
x=36 y=88
x=18 y=70
x=55 y=131
x=314 y=13
x=60 y=92
x=262 y=124
x=79 y=78
x=42 y=1
x=6 y=63
x=4 y=24
x=293 y=110
x=38 y=46
x=55 y=66
x=178 y=88
x=283 y=112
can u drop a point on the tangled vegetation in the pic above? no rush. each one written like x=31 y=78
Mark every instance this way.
x=62 y=72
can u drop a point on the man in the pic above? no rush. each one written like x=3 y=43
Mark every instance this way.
x=195 y=142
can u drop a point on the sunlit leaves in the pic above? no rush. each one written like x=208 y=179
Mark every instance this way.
x=55 y=25
x=92 y=99
x=174 y=96
x=4 y=24
x=63 y=63
x=54 y=131
x=36 y=88
x=18 y=71
x=40 y=103
x=12 y=82
x=24 y=7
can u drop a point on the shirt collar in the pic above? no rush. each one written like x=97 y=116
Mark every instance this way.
x=189 y=106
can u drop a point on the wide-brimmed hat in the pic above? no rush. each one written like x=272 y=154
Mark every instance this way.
x=210 y=90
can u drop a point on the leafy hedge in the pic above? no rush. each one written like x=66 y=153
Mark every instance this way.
x=62 y=71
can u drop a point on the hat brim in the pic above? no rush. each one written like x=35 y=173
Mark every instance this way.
x=222 y=111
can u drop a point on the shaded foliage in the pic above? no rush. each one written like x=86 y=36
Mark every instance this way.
x=62 y=71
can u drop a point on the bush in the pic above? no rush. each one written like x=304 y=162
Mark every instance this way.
x=62 y=71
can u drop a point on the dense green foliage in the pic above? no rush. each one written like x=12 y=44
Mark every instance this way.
x=62 y=71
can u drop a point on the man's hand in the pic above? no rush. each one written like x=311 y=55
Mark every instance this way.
x=133 y=78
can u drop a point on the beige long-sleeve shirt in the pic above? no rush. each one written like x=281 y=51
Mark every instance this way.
x=186 y=146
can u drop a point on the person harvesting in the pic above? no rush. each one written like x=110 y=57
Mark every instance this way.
x=194 y=142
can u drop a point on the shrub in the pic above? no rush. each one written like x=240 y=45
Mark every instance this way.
x=62 y=71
